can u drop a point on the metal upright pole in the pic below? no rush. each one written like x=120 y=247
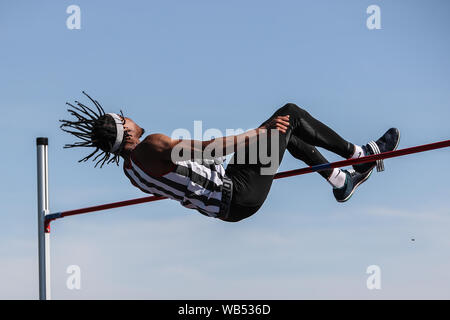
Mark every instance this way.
x=43 y=209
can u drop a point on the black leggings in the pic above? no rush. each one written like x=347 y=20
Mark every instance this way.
x=250 y=187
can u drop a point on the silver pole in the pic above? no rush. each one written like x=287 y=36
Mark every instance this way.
x=43 y=209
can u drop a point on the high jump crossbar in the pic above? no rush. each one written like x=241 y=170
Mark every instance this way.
x=45 y=217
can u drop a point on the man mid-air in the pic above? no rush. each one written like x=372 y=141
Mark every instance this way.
x=153 y=163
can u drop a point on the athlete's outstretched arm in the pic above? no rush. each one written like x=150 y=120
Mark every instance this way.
x=158 y=152
x=222 y=146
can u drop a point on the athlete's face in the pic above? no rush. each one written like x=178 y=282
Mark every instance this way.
x=133 y=129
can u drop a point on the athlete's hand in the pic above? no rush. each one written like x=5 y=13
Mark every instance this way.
x=280 y=123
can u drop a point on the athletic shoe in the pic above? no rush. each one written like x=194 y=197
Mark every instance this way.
x=388 y=142
x=352 y=181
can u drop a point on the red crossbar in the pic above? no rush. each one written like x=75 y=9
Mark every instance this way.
x=350 y=162
x=111 y=205
x=285 y=174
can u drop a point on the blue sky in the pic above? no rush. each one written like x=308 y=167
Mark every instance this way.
x=229 y=64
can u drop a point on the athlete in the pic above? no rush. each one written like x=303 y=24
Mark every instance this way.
x=192 y=172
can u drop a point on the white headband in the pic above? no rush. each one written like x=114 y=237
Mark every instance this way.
x=119 y=136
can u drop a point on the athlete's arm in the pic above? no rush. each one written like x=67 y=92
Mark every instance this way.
x=192 y=149
x=158 y=152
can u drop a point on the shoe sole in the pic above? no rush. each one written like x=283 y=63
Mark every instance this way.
x=356 y=186
x=395 y=148
x=398 y=141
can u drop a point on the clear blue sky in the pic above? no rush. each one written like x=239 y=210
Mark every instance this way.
x=229 y=64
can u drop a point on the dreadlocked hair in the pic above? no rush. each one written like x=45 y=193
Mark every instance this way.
x=95 y=129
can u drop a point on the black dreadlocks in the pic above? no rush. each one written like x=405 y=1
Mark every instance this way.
x=96 y=129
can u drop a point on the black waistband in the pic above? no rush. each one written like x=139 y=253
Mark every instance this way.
x=227 y=194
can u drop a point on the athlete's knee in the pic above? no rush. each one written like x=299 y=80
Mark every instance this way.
x=291 y=108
